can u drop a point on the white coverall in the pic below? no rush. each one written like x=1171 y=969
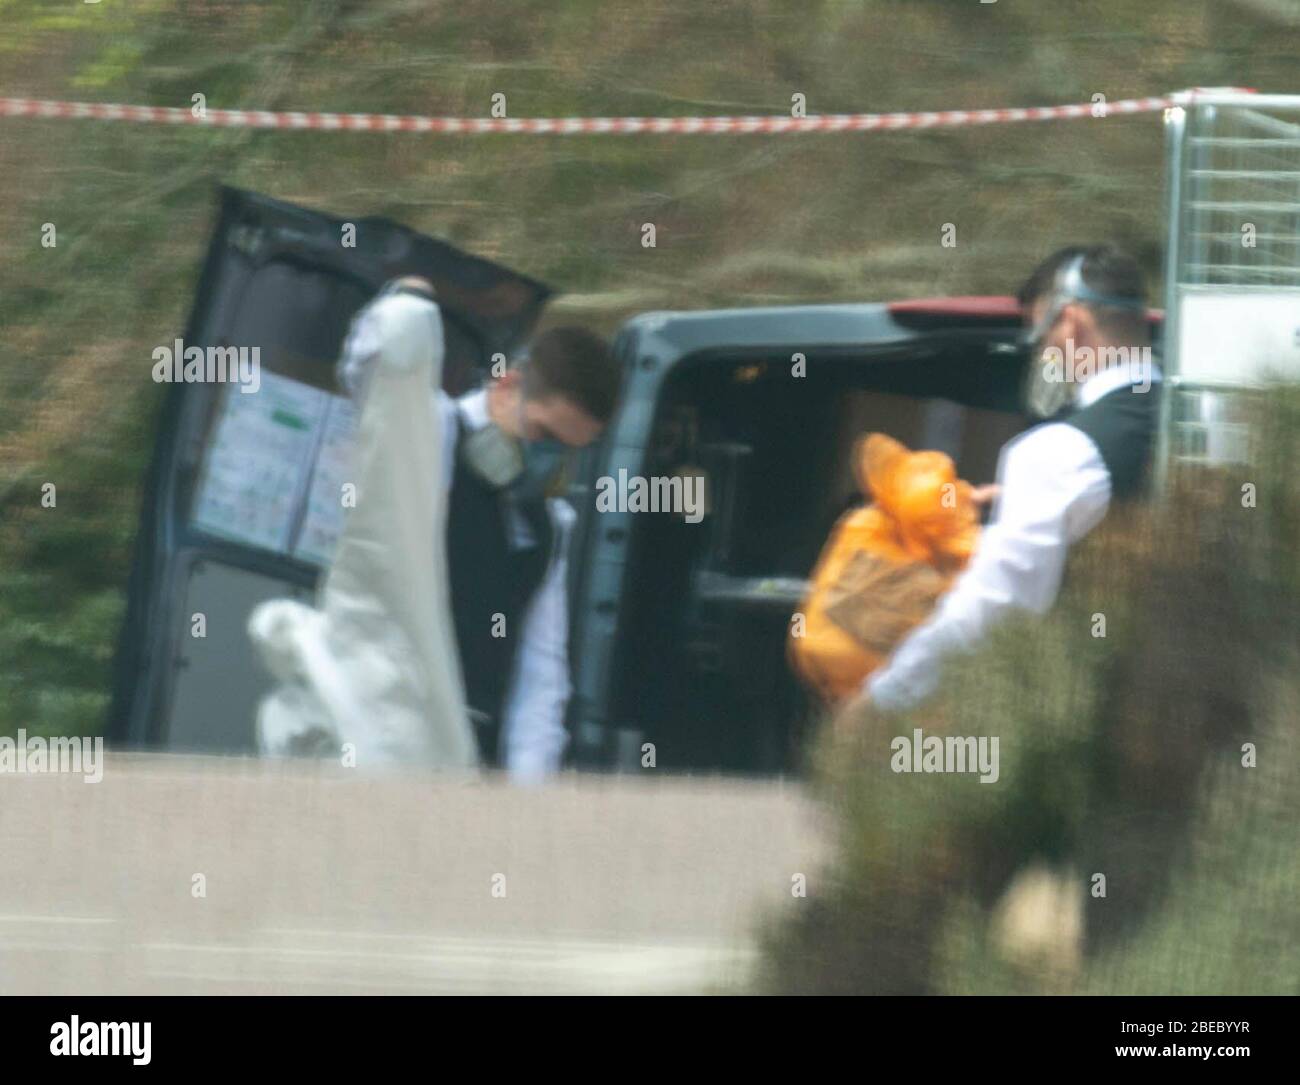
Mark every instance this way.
x=374 y=663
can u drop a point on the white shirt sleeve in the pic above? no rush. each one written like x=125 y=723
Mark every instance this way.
x=535 y=736
x=1055 y=489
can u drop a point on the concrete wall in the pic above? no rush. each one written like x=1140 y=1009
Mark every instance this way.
x=320 y=879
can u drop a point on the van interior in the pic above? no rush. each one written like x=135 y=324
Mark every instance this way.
x=707 y=605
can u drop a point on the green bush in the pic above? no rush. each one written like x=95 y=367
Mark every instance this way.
x=1121 y=755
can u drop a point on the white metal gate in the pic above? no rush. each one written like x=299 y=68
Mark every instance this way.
x=1232 y=275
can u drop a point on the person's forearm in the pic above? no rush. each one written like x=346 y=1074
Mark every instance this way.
x=1017 y=566
x=912 y=672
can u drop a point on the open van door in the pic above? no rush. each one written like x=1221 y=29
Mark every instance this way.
x=679 y=627
x=241 y=500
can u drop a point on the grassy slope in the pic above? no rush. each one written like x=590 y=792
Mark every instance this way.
x=741 y=220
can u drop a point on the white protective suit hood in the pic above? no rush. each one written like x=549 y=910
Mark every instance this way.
x=374 y=664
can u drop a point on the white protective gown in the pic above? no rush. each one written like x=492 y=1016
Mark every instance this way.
x=374 y=664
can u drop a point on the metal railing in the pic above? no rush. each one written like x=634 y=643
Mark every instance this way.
x=1232 y=276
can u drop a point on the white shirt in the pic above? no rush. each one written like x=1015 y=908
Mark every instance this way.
x=538 y=696
x=1054 y=490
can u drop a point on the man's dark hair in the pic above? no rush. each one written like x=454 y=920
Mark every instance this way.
x=572 y=362
x=1108 y=270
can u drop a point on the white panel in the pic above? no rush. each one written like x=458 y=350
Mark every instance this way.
x=1239 y=337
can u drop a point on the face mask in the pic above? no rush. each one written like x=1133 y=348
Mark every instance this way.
x=543 y=461
x=543 y=458
x=494 y=456
x=501 y=460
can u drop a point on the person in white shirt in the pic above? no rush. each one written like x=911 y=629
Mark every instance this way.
x=504 y=452
x=1092 y=376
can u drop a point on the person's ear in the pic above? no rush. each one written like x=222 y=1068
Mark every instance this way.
x=509 y=379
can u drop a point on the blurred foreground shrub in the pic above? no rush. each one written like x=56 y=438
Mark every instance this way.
x=1124 y=755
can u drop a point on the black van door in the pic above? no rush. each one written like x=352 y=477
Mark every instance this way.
x=230 y=515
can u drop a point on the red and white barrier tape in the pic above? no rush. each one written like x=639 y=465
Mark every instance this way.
x=376 y=122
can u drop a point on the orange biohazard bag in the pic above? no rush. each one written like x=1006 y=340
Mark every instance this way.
x=884 y=565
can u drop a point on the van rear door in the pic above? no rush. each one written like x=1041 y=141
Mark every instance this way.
x=240 y=502
x=678 y=627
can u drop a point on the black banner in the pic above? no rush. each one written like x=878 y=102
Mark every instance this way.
x=337 y=1034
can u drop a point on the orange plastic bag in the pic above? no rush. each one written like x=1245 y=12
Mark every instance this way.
x=884 y=565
